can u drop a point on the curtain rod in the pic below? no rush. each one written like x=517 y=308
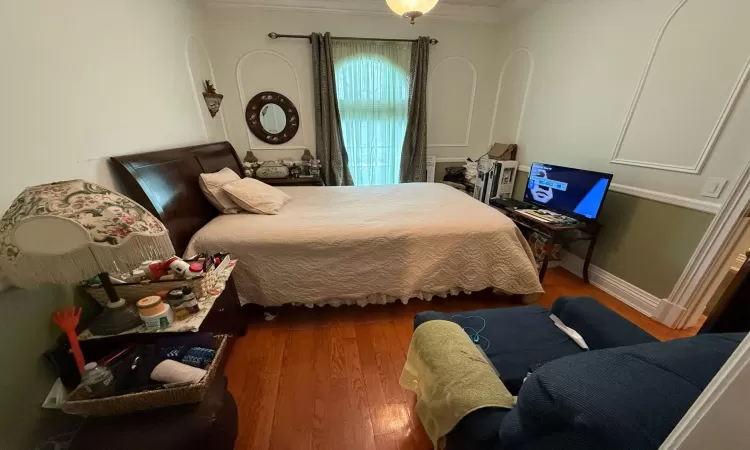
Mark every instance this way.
x=309 y=38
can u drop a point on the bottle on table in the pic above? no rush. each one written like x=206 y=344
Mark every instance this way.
x=97 y=380
x=190 y=302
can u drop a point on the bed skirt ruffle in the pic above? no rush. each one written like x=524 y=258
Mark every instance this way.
x=384 y=299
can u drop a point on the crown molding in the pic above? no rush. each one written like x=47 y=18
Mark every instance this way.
x=444 y=10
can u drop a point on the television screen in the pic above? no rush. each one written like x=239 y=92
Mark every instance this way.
x=573 y=192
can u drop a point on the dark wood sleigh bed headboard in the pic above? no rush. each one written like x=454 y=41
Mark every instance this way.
x=166 y=183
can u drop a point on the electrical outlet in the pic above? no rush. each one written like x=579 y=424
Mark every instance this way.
x=713 y=187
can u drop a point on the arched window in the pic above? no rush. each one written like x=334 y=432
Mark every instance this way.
x=373 y=96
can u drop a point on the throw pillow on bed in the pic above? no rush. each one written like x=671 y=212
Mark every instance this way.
x=256 y=196
x=211 y=185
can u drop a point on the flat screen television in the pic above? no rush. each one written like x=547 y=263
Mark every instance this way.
x=574 y=192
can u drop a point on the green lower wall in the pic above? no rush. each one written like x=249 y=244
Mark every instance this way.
x=643 y=242
x=26 y=332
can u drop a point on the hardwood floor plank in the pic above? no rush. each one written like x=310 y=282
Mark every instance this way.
x=369 y=363
x=236 y=367
x=322 y=414
x=394 y=441
x=395 y=347
x=337 y=418
x=390 y=370
x=404 y=331
x=256 y=402
x=347 y=416
x=293 y=420
x=386 y=442
x=243 y=371
x=391 y=419
x=347 y=331
x=362 y=432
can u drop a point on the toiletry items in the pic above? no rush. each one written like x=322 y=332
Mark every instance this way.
x=186 y=270
x=97 y=380
x=155 y=313
x=175 y=298
x=198 y=357
x=169 y=371
x=189 y=301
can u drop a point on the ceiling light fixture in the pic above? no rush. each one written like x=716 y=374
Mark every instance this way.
x=411 y=9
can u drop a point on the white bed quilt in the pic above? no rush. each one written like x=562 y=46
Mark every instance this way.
x=371 y=244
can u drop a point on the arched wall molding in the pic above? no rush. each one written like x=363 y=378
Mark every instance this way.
x=716 y=130
x=471 y=103
x=525 y=93
x=244 y=100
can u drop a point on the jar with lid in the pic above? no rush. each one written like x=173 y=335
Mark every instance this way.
x=190 y=302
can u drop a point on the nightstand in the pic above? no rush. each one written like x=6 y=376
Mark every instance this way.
x=291 y=181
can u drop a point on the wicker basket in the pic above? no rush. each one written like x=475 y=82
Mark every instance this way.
x=127 y=403
x=132 y=292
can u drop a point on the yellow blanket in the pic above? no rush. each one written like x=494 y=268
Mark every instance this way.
x=450 y=377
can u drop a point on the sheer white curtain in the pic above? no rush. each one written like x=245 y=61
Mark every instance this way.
x=372 y=84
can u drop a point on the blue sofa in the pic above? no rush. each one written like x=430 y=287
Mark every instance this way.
x=628 y=391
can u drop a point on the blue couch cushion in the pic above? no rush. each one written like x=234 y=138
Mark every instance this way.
x=627 y=397
x=600 y=326
x=518 y=338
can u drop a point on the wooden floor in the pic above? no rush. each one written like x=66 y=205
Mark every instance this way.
x=327 y=378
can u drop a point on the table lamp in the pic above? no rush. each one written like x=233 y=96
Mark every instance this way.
x=71 y=231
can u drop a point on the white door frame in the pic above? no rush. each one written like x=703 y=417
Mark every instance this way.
x=692 y=292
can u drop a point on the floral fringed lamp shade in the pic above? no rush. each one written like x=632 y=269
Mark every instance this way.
x=70 y=231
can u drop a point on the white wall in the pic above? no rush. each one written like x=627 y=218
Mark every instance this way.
x=464 y=71
x=583 y=61
x=83 y=80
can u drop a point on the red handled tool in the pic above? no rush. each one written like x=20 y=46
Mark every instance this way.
x=67 y=320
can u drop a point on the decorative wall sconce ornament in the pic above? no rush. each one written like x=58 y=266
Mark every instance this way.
x=213 y=100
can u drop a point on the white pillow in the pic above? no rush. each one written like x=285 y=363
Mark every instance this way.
x=211 y=184
x=256 y=196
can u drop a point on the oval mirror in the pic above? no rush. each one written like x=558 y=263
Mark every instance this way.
x=272 y=118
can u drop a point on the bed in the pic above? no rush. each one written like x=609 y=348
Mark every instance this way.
x=336 y=245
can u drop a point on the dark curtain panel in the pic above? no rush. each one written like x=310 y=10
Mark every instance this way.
x=414 y=154
x=329 y=140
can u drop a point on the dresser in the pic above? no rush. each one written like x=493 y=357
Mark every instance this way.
x=291 y=181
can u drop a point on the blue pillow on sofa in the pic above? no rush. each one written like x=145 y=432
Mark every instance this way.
x=627 y=397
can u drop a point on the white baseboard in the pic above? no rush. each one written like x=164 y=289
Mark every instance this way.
x=668 y=313
x=627 y=293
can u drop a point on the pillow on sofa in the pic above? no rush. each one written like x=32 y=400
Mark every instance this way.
x=212 y=183
x=256 y=196
x=625 y=397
